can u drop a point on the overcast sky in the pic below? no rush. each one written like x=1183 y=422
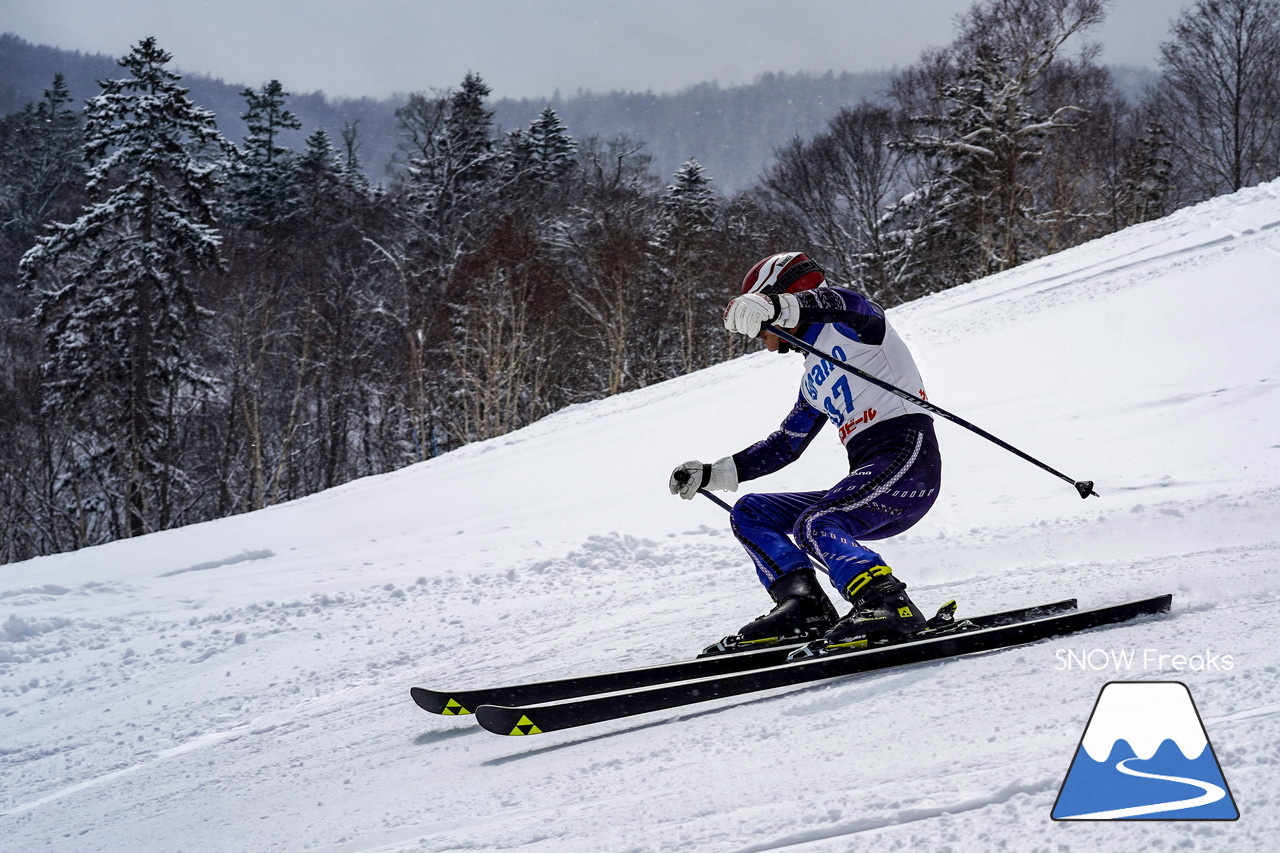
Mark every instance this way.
x=530 y=48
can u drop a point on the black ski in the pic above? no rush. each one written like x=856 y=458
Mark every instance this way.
x=460 y=702
x=556 y=715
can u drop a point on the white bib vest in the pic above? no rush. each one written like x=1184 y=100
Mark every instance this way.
x=850 y=403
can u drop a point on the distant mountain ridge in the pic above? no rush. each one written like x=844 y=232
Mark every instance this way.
x=731 y=130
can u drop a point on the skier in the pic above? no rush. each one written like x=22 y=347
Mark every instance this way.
x=893 y=478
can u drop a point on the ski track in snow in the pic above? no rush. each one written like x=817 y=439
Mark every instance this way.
x=243 y=685
x=842 y=831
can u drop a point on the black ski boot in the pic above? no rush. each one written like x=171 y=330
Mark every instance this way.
x=801 y=612
x=882 y=613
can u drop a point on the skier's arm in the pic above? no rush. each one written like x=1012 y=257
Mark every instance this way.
x=784 y=446
x=858 y=317
x=845 y=307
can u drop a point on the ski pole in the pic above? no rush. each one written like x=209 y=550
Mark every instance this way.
x=683 y=477
x=1084 y=487
x=715 y=500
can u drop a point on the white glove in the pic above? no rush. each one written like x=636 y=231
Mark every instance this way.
x=721 y=476
x=748 y=312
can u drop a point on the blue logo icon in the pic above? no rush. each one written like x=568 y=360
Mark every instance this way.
x=1145 y=756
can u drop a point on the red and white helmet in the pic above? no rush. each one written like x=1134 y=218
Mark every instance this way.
x=786 y=272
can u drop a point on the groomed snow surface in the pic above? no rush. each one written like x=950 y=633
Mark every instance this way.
x=243 y=685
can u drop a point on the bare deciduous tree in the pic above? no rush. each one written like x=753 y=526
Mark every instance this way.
x=1220 y=95
x=837 y=186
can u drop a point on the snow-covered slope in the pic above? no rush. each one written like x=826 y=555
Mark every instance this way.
x=243 y=685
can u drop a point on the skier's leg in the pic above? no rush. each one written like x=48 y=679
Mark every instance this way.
x=801 y=609
x=763 y=523
x=888 y=492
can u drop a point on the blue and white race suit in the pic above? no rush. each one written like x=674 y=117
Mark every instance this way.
x=894 y=465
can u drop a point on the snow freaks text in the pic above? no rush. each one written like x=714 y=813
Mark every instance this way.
x=1145 y=660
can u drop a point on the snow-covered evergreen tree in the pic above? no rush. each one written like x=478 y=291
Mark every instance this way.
x=450 y=177
x=116 y=288
x=959 y=210
x=682 y=248
x=330 y=184
x=981 y=128
x=468 y=142
x=541 y=156
x=448 y=205
x=263 y=178
x=453 y=145
x=318 y=170
x=551 y=147
x=40 y=163
x=41 y=180
x=688 y=207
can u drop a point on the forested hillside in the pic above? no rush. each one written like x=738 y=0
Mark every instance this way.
x=205 y=311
